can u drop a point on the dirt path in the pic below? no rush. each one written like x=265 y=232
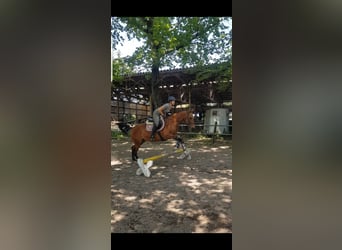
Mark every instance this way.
x=180 y=196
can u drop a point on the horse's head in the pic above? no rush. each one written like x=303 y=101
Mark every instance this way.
x=190 y=120
x=186 y=117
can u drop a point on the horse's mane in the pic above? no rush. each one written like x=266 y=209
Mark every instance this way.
x=183 y=114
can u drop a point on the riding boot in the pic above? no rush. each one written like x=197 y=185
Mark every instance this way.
x=154 y=129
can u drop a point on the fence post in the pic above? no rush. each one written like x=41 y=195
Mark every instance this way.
x=214 y=134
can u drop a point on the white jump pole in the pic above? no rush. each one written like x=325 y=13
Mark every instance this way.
x=145 y=164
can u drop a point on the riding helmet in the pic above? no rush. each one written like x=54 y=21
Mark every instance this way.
x=171 y=98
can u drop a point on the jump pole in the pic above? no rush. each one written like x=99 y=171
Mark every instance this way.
x=145 y=164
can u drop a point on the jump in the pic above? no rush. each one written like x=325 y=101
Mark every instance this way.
x=145 y=164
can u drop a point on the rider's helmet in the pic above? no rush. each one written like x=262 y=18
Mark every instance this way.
x=171 y=98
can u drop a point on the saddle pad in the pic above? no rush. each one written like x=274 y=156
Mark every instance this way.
x=149 y=124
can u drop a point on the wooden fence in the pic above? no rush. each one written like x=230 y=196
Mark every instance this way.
x=125 y=111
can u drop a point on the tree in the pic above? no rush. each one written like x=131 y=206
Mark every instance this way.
x=116 y=32
x=175 y=42
x=119 y=69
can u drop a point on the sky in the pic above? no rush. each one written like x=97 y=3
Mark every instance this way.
x=127 y=48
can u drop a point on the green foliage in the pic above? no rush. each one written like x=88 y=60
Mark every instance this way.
x=118 y=135
x=116 y=31
x=225 y=79
x=177 y=41
x=220 y=72
x=120 y=68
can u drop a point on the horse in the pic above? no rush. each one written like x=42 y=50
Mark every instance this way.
x=139 y=134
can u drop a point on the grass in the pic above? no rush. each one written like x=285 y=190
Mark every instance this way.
x=118 y=135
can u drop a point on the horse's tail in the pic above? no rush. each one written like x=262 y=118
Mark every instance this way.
x=124 y=127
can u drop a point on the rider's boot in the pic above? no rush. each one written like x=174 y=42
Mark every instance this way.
x=154 y=129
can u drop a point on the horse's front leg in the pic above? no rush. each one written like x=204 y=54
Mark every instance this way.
x=180 y=142
x=186 y=152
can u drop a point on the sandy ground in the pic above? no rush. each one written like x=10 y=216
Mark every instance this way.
x=181 y=195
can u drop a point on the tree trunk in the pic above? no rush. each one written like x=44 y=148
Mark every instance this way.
x=156 y=102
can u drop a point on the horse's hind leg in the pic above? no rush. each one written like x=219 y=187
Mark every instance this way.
x=135 y=148
x=134 y=153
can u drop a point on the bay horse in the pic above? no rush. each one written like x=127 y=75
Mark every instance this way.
x=139 y=134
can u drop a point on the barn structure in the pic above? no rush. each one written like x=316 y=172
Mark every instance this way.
x=199 y=88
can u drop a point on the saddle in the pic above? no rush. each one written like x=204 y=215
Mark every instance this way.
x=149 y=124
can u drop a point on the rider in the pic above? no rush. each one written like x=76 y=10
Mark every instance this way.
x=162 y=110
